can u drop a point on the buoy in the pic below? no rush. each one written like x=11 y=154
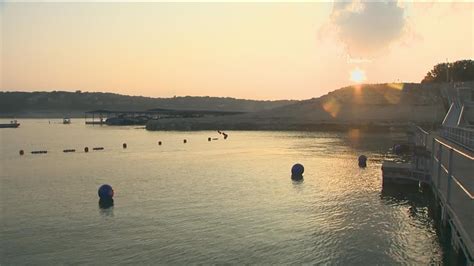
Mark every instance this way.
x=159 y=143
x=98 y=148
x=208 y=139
x=69 y=150
x=86 y=149
x=22 y=152
x=124 y=145
x=184 y=141
x=362 y=161
x=105 y=192
x=39 y=152
x=297 y=172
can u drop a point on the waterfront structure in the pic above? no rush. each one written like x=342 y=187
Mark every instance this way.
x=12 y=124
x=127 y=117
x=443 y=162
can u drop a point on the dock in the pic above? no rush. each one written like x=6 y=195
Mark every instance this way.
x=443 y=162
x=453 y=186
x=403 y=174
x=447 y=169
x=128 y=117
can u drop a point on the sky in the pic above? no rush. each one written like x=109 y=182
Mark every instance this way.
x=265 y=51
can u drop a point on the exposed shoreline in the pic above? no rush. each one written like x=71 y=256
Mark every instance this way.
x=376 y=107
x=176 y=125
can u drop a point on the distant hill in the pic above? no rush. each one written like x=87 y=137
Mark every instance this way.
x=369 y=102
x=74 y=104
x=382 y=105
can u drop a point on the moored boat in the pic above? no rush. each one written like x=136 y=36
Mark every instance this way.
x=12 y=124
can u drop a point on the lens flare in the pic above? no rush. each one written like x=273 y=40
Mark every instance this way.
x=357 y=75
x=332 y=107
x=398 y=86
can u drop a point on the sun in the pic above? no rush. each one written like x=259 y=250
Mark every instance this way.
x=357 y=75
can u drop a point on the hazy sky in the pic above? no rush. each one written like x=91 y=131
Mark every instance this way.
x=243 y=50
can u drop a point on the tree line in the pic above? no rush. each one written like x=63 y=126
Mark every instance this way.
x=458 y=71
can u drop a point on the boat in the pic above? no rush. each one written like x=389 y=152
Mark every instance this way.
x=12 y=124
x=66 y=120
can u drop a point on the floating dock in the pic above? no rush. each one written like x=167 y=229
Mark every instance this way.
x=123 y=117
x=403 y=174
x=444 y=161
x=447 y=168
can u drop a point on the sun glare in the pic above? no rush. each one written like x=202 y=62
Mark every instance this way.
x=357 y=75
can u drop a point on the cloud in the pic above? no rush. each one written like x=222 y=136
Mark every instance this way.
x=366 y=29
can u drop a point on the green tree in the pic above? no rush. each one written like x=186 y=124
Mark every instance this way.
x=462 y=70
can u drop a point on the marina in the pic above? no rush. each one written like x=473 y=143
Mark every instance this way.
x=237 y=133
x=177 y=194
x=127 y=118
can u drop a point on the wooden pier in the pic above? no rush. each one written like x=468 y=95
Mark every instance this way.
x=447 y=168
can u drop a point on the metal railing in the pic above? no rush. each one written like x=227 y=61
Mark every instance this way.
x=459 y=135
x=453 y=178
x=421 y=137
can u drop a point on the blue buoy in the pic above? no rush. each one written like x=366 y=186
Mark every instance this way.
x=362 y=161
x=297 y=171
x=105 y=192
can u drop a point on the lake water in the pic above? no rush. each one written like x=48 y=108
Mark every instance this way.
x=224 y=201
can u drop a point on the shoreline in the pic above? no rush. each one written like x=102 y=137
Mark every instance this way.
x=322 y=126
x=267 y=125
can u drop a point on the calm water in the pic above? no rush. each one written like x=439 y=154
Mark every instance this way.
x=226 y=201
